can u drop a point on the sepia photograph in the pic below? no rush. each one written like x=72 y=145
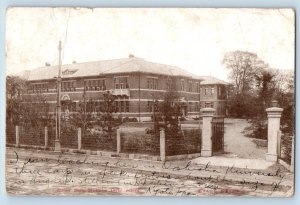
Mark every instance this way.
x=150 y=102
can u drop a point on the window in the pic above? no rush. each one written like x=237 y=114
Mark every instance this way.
x=205 y=91
x=152 y=83
x=190 y=86
x=171 y=85
x=220 y=91
x=212 y=91
x=122 y=104
x=182 y=85
x=121 y=83
x=68 y=105
x=197 y=108
x=209 y=104
x=198 y=88
x=96 y=84
x=190 y=107
x=68 y=86
x=149 y=106
x=39 y=88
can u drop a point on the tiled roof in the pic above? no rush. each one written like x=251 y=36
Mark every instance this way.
x=125 y=65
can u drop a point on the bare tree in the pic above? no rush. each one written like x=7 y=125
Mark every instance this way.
x=243 y=66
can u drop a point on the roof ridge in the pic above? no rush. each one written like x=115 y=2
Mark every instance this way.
x=173 y=66
x=68 y=64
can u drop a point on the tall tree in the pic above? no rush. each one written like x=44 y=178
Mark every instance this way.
x=243 y=67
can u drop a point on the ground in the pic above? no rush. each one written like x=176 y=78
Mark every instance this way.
x=237 y=144
x=241 y=170
x=44 y=172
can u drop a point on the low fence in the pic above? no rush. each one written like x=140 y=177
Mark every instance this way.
x=184 y=142
x=10 y=131
x=32 y=135
x=45 y=137
x=161 y=145
x=139 y=143
x=99 y=141
x=286 y=150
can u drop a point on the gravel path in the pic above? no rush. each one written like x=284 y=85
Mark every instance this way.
x=236 y=144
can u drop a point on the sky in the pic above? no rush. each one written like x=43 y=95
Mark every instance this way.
x=193 y=39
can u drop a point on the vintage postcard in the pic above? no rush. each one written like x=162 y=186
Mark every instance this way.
x=150 y=101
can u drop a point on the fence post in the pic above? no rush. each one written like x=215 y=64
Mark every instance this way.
x=274 y=114
x=79 y=137
x=46 y=136
x=292 y=167
x=118 y=140
x=17 y=136
x=162 y=143
x=206 y=144
x=279 y=144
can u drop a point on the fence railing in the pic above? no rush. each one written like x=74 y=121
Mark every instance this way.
x=164 y=144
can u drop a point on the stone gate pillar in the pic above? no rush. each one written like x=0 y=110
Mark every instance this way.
x=206 y=144
x=79 y=141
x=118 y=140
x=162 y=144
x=274 y=114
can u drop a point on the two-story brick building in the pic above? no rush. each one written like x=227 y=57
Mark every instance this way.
x=134 y=81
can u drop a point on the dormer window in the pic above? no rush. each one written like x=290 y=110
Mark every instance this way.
x=69 y=71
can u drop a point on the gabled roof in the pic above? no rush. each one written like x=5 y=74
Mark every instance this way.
x=125 y=65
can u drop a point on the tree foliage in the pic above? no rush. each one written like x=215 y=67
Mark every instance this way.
x=243 y=68
x=167 y=113
x=254 y=86
x=23 y=108
x=106 y=120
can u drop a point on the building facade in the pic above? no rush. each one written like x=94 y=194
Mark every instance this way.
x=136 y=83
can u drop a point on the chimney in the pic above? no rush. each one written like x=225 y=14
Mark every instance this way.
x=131 y=56
x=74 y=62
x=47 y=64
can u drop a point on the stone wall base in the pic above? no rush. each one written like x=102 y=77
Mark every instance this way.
x=206 y=153
x=271 y=157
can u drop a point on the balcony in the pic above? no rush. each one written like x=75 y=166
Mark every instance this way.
x=120 y=92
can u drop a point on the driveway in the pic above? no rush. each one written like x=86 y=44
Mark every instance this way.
x=236 y=144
